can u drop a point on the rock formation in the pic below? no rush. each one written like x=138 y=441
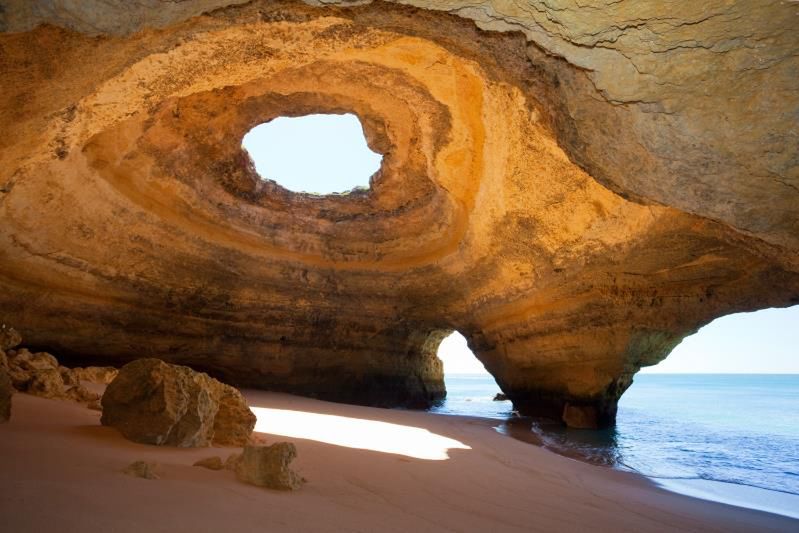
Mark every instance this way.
x=40 y=374
x=142 y=469
x=574 y=186
x=211 y=463
x=153 y=402
x=268 y=466
x=9 y=338
x=102 y=375
x=234 y=421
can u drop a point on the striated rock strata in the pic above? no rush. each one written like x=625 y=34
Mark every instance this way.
x=574 y=186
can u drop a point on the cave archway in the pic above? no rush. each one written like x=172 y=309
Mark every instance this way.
x=471 y=389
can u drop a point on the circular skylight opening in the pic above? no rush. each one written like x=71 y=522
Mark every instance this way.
x=315 y=154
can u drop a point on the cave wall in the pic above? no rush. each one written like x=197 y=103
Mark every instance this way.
x=575 y=188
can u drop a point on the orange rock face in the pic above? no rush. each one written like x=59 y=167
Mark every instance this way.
x=519 y=202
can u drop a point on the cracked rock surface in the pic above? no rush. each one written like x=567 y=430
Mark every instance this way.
x=574 y=186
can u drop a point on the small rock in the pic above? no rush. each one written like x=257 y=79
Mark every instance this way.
x=268 y=466
x=211 y=463
x=9 y=338
x=500 y=397
x=142 y=469
x=6 y=392
x=47 y=383
x=232 y=461
x=20 y=377
x=3 y=360
x=102 y=375
x=69 y=377
x=81 y=394
x=95 y=405
x=33 y=362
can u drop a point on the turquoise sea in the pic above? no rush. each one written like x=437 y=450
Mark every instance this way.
x=726 y=437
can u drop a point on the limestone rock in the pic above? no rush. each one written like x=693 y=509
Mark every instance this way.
x=20 y=377
x=34 y=362
x=3 y=360
x=268 y=466
x=69 y=377
x=142 y=469
x=47 y=383
x=581 y=416
x=81 y=394
x=6 y=392
x=211 y=463
x=40 y=374
x=9 y=338
x=153 y=402
x=232 y=461
x=102 y=375
x=234 y=421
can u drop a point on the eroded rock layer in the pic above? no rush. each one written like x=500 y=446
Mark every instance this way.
x=573 y=231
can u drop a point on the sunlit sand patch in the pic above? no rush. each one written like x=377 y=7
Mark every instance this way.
x=356 y=433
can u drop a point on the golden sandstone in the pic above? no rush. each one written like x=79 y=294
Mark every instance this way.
x=575 y=190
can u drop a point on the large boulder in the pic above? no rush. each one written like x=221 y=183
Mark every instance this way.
x=154 y=402
x=268 y=466
x=6 y=392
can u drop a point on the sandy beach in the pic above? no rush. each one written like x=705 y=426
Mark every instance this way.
x=367 y=469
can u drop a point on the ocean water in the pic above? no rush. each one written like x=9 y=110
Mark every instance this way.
x=720 y=435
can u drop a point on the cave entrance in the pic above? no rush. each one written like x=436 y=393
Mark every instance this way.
x=471 y=390
x=313 y=154
x=762 y=342
x=722 y=406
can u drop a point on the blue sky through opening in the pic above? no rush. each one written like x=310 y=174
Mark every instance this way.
x=321 y=154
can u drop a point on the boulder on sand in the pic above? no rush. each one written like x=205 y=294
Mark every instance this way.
x=154 y=402
x=268 y=466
